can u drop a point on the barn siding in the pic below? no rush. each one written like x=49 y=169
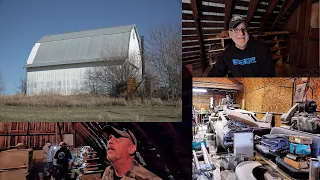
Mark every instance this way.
x=59 y=80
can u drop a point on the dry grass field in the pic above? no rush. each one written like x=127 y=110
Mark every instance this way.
x=87 y=108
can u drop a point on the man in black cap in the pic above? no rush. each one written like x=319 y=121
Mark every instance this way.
x=62 y=156
x=246 y=57
x=121 y=149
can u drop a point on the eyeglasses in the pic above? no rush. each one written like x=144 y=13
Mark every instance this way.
x=238 y=30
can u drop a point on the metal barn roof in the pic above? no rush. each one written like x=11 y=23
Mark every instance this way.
x=83 y=46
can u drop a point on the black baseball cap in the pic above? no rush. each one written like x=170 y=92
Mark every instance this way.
x=235 y=21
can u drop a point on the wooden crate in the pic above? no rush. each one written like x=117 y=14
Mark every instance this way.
x=18 y=174
x=15 y=158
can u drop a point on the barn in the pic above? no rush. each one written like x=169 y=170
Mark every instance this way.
x=58 y=63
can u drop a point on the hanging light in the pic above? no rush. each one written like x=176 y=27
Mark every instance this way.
x=199 y=90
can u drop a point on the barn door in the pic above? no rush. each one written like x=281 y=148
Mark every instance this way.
x=312 y=58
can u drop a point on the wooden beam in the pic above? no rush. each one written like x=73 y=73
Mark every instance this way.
x=190 y=54
x=197 y=12
x=59 y=127
x=188 y=25
x=190 y=58
x=193 y=43
x=272 y=4
x=252 y=9
x=171 y=167
x=190 y=49
x=307 y=6
x=229 y=4
x=213 y=85
x=284 y=10
x=212 y=18
x=188 y=38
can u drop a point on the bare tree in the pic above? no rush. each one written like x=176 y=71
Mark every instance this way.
x=2 y=86
x=112 y=71
x=164 y=58
x=22 y=86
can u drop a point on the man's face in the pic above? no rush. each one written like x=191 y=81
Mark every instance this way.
x=240 y=35
x=118 y=148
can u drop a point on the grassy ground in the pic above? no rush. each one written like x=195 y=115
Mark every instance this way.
x=110 y=113
x=57 y=108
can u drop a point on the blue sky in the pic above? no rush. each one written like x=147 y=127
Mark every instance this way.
x=24 y=22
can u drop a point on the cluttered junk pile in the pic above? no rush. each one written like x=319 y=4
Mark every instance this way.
x=253 y=147
x=21 y=163
x=295 y=147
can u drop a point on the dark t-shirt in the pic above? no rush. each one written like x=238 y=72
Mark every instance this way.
x=62 y=156
x=254 y=61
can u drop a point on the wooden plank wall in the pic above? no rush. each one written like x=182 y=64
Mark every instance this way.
x=44 y=130
x=201 y=100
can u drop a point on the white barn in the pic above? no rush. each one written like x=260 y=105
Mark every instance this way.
x=58 y=63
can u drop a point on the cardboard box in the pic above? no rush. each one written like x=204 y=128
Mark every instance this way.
x=13 y=174
x=300 y=139
x=15 y=158
x=295 y=164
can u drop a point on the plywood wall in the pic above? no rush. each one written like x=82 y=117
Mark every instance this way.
x=271 y=94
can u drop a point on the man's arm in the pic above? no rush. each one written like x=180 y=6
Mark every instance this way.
x=56 y=154
x=220 y=69
x=45 y=149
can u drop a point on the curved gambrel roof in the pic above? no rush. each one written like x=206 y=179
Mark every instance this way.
x=82 y=47
x=202 y=20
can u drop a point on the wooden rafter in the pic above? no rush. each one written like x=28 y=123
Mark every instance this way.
x=171 y=168
x=252 y=9
x=59 y=127
x=272 y=4
x=284 y=10
x=196 y=10
x=229 y=4
x=199 y=84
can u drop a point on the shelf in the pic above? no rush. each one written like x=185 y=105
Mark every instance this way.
x=276 y=33
x=273 y=41
x=93 y=165
x=93 y=172
x=216 y=50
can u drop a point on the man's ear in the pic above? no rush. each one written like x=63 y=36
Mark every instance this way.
x=133 y=149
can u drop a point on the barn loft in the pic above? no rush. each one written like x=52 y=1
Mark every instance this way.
x=58 y=63
x=290 y=28
x=164 y=147
x=251 y=127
